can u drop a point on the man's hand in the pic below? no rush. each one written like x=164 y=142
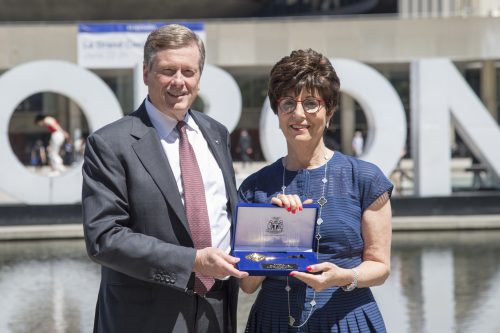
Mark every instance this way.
x=216 y=263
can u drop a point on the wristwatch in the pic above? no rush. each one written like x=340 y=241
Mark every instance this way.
x=354 y=284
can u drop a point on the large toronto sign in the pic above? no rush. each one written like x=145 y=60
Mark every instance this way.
x=439 y=96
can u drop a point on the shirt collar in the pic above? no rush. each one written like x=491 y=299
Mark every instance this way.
x=164 y=124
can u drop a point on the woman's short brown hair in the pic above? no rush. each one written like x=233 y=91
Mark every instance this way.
x=304 y=69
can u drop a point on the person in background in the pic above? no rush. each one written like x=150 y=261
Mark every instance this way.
x=357 y=144
x=58 y=136
x=245 y=146
x=78 y=144
x=158 y=226
x=353 y=232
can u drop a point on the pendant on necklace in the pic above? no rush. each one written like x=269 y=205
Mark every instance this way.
x=291 y=320
x=322 y=201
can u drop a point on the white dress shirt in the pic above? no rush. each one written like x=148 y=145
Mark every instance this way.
x=213 y=181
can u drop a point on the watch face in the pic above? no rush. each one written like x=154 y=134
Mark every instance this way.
x=350 y=287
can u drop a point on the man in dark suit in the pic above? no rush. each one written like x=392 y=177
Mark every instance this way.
x=134 y=194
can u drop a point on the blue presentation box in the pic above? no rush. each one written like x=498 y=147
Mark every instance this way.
x=269 y=240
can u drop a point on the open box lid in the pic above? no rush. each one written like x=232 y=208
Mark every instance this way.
x=269 y=228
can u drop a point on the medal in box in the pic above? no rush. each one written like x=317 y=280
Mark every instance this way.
x=269 y=240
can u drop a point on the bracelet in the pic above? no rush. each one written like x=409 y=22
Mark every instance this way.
x=354 y=284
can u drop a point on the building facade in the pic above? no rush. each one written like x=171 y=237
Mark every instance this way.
x=247 y=48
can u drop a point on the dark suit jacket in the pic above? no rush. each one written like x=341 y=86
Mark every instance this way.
x=135 y=226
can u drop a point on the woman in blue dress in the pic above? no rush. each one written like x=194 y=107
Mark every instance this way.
x=353 y=232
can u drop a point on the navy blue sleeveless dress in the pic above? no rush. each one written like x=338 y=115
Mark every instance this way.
x=353 y=185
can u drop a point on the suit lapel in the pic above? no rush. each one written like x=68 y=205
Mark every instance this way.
x=151 y=154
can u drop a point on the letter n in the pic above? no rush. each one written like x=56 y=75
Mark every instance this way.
x=440 y=95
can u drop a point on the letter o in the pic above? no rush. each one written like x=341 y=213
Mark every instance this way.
x=383 y=110
x=221 y=95
x=94 y=97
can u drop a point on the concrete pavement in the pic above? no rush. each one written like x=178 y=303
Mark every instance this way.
x=400 y=223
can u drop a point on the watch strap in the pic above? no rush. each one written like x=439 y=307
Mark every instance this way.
x=354 y=284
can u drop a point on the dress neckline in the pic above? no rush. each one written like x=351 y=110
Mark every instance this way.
x=302 y=170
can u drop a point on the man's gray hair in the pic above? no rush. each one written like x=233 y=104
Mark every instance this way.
x=172 y=36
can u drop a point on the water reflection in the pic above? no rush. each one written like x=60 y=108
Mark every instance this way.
x=46 y=287
x=443 y=282
x=440 y=282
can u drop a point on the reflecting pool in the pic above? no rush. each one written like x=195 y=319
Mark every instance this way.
x=440 y=282
x=46 y=286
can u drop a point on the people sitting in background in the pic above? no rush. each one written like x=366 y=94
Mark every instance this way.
x=38 y=157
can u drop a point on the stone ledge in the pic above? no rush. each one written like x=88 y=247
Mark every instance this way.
x=33 y=232
x=459 y=222
x=399 y=224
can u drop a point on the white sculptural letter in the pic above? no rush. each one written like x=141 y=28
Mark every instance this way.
x=440 y=95
x=94 y=97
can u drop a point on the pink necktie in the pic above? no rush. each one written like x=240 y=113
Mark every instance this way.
x=194 y=203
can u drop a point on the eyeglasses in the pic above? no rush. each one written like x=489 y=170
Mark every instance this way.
x=288 y=105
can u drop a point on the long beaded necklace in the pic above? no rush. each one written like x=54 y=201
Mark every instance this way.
x=321 y=202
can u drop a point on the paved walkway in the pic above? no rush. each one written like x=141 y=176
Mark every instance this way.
x=402 y=177
x=411 y=223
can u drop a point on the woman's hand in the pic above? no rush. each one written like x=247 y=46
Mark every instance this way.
x=375 y=267
x=291 y=202
x=329 y=275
